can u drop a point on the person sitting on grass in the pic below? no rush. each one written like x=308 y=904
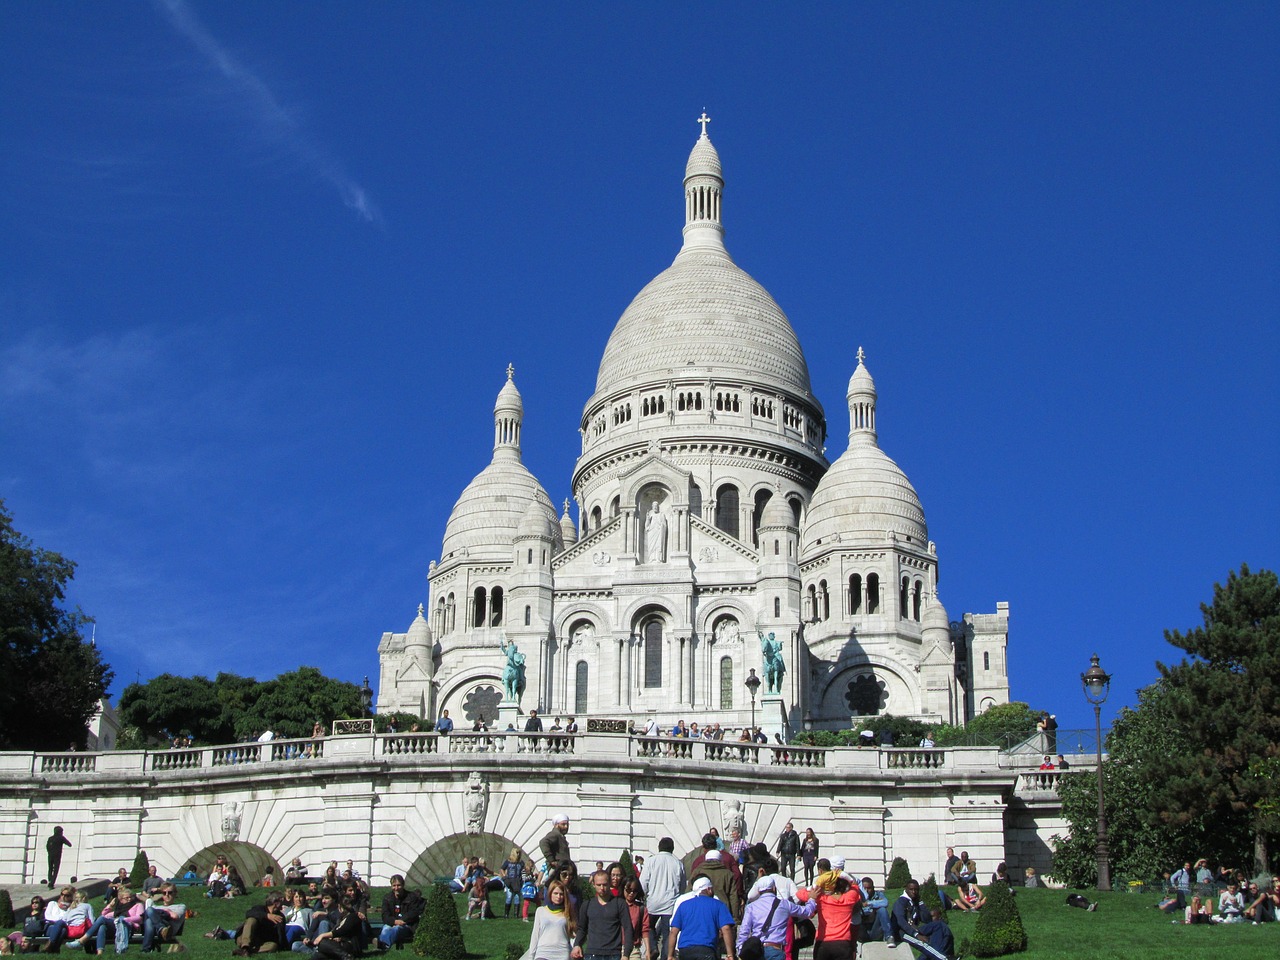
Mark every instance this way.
x=263 y=930
x=1231 y=904
x=1263 y=904
x=938 y=935
x=477 y=888
x=401 y=911
x=122 y=917
x=163 y=918
x=55 y=918
x=343 y=941
x=970 y=897
x=1199 y=911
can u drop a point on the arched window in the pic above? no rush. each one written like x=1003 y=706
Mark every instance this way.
x=597 y=519
x=695 y=501
x=902 y=597
x=580 y=687
x=915 y=602
x=653 y=653
x=873 y=593
x=777 y=607
x=986 y=660
x=478 y=608
x=811 y=604
x=855 y=594
x=615 y=507
x=824 y=602
x=726 y=683
x=528 y=615
x=762 y=500
x=451 y=614
x=495 y=607
x=796 y=507
x=727 y=509
x=529 y=558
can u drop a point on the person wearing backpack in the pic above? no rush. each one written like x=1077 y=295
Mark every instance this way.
x=762 y=935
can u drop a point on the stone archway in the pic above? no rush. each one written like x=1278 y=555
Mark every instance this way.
x=250 y=861
x=440 y=859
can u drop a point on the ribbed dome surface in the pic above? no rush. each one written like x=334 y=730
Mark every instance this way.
x=777 y=513
x=703 y=313
x=487 y=515
x=862 y=497
x=704 y=160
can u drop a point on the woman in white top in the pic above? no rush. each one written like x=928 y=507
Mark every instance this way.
x=554 y=926
x=1231 y=906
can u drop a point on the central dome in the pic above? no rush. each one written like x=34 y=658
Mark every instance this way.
x=703 y=315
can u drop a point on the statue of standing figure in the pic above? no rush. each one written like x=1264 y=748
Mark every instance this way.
x=774 y=668
x=513 y=672
x=655 y=535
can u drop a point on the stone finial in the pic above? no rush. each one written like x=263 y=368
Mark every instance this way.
x=511 y=371
x=704 y=120
x=419 y=609
x=566 y=506
x=861 y=356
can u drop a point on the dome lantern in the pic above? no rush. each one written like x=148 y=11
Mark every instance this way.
x=703 y=188
x=508 y=414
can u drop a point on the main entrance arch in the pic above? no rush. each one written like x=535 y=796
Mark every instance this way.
x=440 y=859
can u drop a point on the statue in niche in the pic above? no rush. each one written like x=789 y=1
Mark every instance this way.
x=774 y=668
x=474 y=804
x=727 y=630
x=513 y=673
x=655 y=535
x=584 y=633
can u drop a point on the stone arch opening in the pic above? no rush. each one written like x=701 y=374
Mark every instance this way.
x=439 y=860
x=249 y=859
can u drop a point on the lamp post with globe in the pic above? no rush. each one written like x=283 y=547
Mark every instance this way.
x=1097 y=684
x=752 y=684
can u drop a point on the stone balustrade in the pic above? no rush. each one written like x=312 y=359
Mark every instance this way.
x=1040 y=781
x=426 y=747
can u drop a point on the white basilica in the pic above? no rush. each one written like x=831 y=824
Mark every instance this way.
x=709 y=519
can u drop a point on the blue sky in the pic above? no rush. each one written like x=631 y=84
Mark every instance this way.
x=263 y=266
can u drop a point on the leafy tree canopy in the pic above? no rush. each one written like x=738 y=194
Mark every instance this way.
x=232 y=708
x=61 y=676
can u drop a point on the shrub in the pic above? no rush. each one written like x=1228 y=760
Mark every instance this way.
x=439 y=934
x=6 y=910
x=141 y=867
x=999 y=928
x=930 y=897
x=899 y=874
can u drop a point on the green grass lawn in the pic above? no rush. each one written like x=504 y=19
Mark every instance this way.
x=1125 y=926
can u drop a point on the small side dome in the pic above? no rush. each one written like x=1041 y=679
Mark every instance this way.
x=535 y=522
x=568 y=529
x=935 y=618
x=777 y=514
x=419 y=632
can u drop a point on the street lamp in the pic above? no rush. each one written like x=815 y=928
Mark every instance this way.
x=366 y=698
x=753 y=684
x=1097 y=683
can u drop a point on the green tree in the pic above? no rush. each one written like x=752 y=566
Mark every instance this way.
x=1005 y=723
x=931 y=897
x=1142 y=845
x=55 y=678
x=232 y=708
x=899 y=874
x=1226 y=696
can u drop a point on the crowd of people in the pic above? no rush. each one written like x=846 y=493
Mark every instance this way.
x=1189 y=894
x=69 y=919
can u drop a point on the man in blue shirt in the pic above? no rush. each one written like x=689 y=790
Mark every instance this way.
x=697 y=922
x=444 y=724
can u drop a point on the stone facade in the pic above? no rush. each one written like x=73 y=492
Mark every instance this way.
x=709 y=520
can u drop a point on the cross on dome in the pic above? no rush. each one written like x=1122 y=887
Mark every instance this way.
x=704 y=120
x=511 y=371
x=861 y=356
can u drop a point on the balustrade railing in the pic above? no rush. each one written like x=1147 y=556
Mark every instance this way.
x=913 y=759
x=241 y=753
x=410 y=744
x=1039 y=781
x=68 y=762
x=176 y=760
x=731 y=751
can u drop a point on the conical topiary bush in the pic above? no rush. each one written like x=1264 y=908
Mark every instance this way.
x=141 y=867
x=439 y=933
x=999 y=930
x=6 y=910
x=899 y=874
x=930 y=898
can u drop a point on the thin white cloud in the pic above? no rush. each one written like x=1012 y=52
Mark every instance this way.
x=274 y=117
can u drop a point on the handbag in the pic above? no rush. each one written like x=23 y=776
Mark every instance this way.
x=805 y=933
x=753 y=947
